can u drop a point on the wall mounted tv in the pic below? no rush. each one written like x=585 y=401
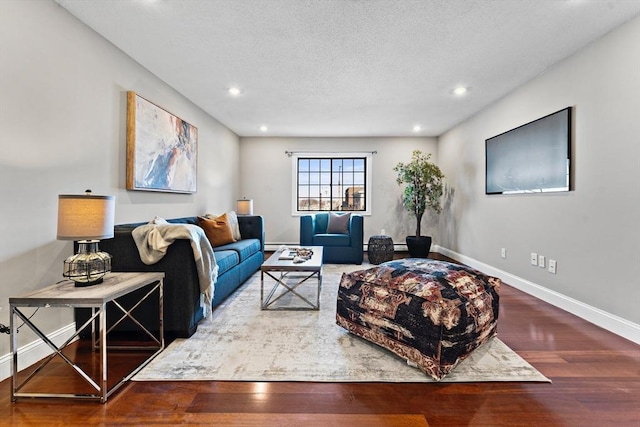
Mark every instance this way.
x=532 y=158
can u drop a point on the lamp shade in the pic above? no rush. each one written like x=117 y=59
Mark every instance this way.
x=245 y=207
x=85 y=217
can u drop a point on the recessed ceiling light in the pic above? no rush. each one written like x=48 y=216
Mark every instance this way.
x=460 y=90
x=234 y=91
x=417 y=128
x=263 y=128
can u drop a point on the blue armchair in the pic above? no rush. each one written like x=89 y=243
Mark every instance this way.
x=338 y=248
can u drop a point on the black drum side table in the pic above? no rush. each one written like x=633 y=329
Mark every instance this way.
x=380 y=249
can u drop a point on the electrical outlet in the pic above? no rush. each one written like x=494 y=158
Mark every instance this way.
x=534 y=258
x=552 y=266
x=503 y=252
x=541 y=261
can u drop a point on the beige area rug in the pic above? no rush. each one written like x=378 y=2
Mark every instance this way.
x=243 y=343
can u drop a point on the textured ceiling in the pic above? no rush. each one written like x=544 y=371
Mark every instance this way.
x=348 y=67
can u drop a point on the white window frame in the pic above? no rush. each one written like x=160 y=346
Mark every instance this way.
x=345 y=155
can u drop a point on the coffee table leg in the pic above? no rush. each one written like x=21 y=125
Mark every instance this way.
x=289 y=289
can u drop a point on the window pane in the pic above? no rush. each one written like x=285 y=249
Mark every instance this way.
x=325 y=178
x=314 y=191
x=358 y=179
x=314 y=178
x=347 y=164
x=347 y=179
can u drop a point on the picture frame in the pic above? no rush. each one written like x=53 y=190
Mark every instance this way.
x=162 y=149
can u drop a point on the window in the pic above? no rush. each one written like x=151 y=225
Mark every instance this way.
x=331 y=182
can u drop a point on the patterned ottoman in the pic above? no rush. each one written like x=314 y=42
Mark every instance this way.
x=432 y=313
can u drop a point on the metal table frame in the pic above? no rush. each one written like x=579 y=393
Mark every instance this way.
x=287 y=268
x=95 y=297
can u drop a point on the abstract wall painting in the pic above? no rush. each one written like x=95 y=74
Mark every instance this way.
x=162 y=149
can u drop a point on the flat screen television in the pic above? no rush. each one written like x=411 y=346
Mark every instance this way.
x=532 y=158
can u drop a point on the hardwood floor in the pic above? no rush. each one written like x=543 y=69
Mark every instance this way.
x=595 y=374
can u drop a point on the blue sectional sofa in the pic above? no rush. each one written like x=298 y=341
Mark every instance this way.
x=182 y=310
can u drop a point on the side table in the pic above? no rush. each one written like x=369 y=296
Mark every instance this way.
x=380 y=249
x=96 y=297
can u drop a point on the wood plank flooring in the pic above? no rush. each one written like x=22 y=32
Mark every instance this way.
x=595 y=374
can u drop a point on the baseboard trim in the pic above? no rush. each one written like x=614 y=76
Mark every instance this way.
x=598 y=317
x=35 y=351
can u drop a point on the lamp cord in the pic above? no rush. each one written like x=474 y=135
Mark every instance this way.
x=4 y=329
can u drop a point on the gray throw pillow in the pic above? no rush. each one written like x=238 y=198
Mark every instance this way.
x=338 y=224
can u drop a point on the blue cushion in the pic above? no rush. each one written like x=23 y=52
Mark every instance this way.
x=245 y=248
x=226 y=260
x=331 y=240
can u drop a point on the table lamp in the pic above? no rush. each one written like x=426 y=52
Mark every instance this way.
x=86 y=219
x=245 y=207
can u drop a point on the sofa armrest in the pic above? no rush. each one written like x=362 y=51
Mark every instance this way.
x=252 y=227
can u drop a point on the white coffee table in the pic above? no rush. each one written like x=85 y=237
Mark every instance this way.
x=288 y=276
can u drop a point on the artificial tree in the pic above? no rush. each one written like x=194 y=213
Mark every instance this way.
x=424 y=189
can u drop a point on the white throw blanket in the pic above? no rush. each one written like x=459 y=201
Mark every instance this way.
x=154 y=238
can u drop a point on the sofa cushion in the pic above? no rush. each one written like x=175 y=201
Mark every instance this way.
x=331 y=240
x=226 y=260
x=245 y=248
x=338 y=224
x=218 y=230
x=233 y=223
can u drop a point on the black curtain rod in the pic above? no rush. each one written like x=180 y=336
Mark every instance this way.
x=291 y=153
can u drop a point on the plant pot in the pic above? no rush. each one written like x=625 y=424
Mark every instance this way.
x=419 y=246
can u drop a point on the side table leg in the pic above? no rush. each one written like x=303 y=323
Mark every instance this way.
x=103 y=353
x=14 y=353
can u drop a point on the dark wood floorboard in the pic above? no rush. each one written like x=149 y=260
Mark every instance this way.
x=595 y=374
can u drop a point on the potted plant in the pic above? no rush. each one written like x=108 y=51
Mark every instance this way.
x=424 y=188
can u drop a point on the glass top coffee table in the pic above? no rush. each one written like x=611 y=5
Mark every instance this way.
x=288 y=276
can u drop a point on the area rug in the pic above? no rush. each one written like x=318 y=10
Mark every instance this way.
x=241 y=342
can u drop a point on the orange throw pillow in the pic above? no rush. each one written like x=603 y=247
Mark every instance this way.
x=218 y=230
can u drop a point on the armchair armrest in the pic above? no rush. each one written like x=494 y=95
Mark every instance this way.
x=307 y=230
x=356 y=230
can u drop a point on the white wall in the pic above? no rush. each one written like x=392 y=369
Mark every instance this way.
x=62 y=130
x=592 y=232
x=266 y=173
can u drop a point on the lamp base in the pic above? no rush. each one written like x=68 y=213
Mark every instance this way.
x=88 y=266
x=85 y=284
